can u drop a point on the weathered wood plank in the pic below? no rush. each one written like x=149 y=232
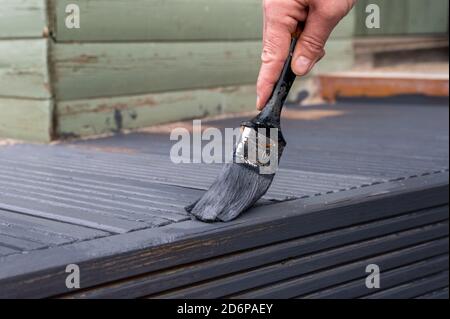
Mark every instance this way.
x=22 y=18
x=172 y=20
x=26 y=119
x=144 y=251
x=97 y=116
x=24 y=69
x=155 y=20
x=117 y=69
x=382 y=84
x=83 y=117
x=95 y=70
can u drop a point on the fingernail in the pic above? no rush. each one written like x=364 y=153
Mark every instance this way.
x=302 y=65
x=258 y=102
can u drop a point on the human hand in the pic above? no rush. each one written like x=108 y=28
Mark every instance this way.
x=281 y=18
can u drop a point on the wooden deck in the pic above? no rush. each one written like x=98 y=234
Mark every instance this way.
x=360 y=183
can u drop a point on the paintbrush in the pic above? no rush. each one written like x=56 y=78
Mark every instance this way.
x=242 y=183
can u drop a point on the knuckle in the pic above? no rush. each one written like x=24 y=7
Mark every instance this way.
x=270 y=52
x=312 y=44
x=330 y=15
x=271 y=5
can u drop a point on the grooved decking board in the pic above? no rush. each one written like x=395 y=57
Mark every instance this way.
x=288 y=184
x=22 y=18
x=233 y=284
x=305 y=284
x=85 y=70
x=131 y=254
x=438 y=294
x=364 y=180
x=26 y=119
x=415 y=288
x=374 y=140
x=29 y=233
x=391 y=278
x=23 y=69
x=20 y=244
x=193 y=273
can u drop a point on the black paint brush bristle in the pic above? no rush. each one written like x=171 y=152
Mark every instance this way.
x=236 y=189
x=242 y=183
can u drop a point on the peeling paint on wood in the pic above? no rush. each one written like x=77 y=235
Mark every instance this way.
x=117 y=69
x=98 y=116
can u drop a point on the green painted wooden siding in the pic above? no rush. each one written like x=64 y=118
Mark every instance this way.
x=161 y=20
x=29 y=120
x=98 y=116
x=22 y=18
x=165 y=20
x=113 y=69
x=26 y=106
x=23 y=69
x=405 y=17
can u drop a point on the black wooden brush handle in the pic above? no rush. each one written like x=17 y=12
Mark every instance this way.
x=270 y=115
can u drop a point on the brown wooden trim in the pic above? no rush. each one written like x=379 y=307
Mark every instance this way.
x=337 y=85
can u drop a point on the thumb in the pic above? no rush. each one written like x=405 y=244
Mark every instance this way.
x=311 y=44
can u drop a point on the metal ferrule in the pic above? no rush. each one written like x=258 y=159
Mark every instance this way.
x=256 y=149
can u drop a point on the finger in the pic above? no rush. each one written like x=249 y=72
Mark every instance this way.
x=311 y=45
x=275 y=52
x=278 y=26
